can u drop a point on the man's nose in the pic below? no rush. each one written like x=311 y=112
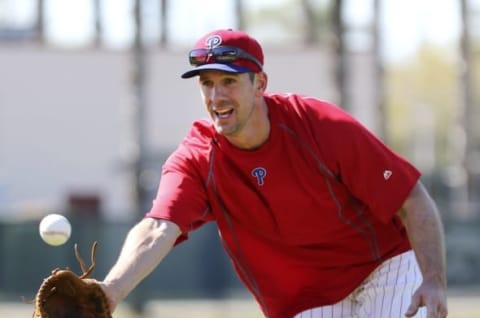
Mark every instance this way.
x=217 y=92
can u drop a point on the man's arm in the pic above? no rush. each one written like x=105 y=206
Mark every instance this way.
x=425 y=232
x=145 y=246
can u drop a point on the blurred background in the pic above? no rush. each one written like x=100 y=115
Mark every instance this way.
x=91 y=104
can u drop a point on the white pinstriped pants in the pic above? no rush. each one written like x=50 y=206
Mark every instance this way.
x=386 y=293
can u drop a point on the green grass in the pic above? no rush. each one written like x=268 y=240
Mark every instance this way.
x=460 y=306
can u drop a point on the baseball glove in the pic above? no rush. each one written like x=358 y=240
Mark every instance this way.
x=64 y=294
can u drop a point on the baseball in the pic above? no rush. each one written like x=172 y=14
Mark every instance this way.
x=55 y=229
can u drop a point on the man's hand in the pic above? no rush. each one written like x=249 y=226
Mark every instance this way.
x=431 y=295
x=112 y=299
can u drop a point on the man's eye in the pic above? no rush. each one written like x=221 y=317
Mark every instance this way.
x=206 y=83
x=229 y=81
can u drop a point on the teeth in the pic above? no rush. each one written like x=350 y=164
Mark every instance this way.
x=223 y=113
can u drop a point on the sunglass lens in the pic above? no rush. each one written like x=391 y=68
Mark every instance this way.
x=198 y=57
x=225 y=54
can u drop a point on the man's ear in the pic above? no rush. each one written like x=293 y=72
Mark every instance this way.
x=261 y=81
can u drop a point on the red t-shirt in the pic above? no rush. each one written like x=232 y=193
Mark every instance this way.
x=304 y=218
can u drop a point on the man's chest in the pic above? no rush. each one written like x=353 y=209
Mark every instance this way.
x=286 y=193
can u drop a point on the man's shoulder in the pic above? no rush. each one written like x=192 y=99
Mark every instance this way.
x=203 y=126
x=303 y=106
x=201 y=134
x=195 y=146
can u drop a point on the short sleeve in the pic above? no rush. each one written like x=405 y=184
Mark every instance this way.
x=181 y=196
x=374 y=173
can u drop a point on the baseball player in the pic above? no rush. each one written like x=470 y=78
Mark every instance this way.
x=319 y=217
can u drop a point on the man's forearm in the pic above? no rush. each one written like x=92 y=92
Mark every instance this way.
x=146 y=245
x=425 y=233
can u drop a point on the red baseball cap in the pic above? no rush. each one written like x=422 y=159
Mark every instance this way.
x=226 y=50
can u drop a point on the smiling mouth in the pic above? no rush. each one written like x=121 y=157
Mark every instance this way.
x=223 y=114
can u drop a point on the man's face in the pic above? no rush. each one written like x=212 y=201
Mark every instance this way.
x=229 y=99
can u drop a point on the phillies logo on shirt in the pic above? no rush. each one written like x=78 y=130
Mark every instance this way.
x=260 y=174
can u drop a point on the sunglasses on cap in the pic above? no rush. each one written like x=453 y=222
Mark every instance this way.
x=220 y=54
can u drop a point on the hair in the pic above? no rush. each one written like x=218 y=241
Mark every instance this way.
x=252 y=76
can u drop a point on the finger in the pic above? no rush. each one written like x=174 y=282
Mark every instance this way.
x=443 y=311
x=413 y=308
x=437 y=311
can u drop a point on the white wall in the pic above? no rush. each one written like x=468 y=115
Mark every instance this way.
x=64 y=117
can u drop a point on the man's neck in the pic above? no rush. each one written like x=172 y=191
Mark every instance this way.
x=258 y=131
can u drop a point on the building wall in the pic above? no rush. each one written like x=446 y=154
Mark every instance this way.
x=66 y=118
